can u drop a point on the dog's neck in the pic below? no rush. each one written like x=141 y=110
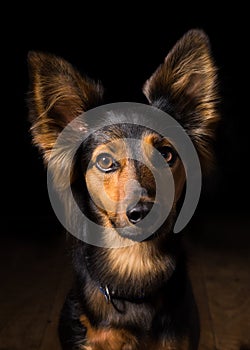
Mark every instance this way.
x=111 y=294
x=134 y=285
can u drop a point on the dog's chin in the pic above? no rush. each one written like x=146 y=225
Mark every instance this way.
x=128 y=231
x=139 y=233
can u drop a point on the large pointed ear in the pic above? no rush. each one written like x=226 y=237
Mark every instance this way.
x=58 y=94
x=185 y=87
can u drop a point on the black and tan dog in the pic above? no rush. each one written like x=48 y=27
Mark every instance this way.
x=138 y=296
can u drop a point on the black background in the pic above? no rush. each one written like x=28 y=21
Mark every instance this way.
x=122 y=49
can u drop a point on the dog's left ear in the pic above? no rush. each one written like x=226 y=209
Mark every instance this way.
x=58 y=94
x=185 y=87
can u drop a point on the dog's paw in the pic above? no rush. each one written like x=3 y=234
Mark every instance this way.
x=107 y=338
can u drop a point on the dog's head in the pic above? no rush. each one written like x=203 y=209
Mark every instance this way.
x=114 y=174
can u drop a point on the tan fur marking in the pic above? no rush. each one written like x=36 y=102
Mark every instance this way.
x=149 y=139
x=107 y=338
x=139 y=260
x=177 y=344
x=120 y=339
x=111 y=191
x=177 y=169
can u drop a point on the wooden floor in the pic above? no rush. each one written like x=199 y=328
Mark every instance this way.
x=35 y=275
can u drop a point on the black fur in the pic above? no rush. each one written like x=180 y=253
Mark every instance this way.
x=175 y=316
x=161 y=307
x=143 y=310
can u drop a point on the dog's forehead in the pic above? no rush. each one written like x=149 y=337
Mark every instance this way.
x=126 y=132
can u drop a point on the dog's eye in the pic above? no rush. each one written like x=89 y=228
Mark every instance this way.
x=169 y=154
x=105 y=162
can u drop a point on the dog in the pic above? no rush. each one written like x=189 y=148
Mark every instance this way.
x=134 y=296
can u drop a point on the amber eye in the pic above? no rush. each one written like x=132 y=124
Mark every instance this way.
x=105 y=162
x=169 y=154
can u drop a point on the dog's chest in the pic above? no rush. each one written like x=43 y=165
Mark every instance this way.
x=123 y=339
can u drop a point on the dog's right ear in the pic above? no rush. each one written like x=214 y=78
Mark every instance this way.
x=185 y=85
x=58 y=94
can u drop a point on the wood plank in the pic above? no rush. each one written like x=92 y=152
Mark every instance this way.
x=30 y=284
x=36 y=274
x=207 y=339
x=50 y=338
x=223 y=252
x=227 y=281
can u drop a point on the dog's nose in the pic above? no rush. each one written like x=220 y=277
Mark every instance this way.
x=139 y=211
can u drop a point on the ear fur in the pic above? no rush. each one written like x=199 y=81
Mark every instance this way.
x=58 y=94
x=185 y=87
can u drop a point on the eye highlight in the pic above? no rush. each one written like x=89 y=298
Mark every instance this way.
x=169 y=154
x=106 y=163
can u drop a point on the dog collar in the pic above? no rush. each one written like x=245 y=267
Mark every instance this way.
x=106 y=293
x=111 y=295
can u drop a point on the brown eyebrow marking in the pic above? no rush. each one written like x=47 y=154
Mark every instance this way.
x=117 y=148
x=154 y=140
